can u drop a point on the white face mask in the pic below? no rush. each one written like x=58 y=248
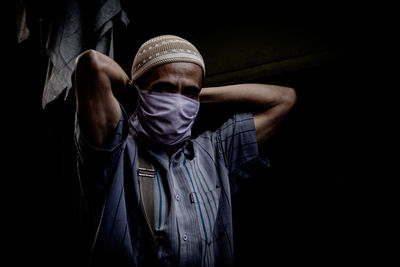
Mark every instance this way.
x=165 y=118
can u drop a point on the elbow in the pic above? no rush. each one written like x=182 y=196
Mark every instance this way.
x=85 y=75
x=87 y=61
x=288 y=97
x=87 y=68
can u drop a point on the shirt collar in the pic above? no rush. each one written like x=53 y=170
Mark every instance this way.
x=158 y=152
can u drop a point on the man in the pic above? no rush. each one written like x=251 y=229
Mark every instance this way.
x=158 y=197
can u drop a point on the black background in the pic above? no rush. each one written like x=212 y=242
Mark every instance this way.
x=326 y=198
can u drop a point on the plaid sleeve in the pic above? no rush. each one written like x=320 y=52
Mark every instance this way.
x=236 y=141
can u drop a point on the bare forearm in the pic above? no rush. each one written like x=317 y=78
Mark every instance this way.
x=94 y=63
x=268 y=103
x=120 y=84
x=256 y=97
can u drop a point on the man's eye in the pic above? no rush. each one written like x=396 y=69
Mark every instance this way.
x=191 y=92
x=163 y=88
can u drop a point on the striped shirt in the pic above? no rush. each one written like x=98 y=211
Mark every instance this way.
x=193 y=213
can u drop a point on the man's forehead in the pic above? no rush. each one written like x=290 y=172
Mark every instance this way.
x=182 y=68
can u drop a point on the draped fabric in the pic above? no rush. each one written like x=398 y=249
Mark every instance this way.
x=22 y=29
x=81 y=25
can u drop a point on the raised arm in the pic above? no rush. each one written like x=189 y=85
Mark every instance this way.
x=97 y=79
x=268 y=103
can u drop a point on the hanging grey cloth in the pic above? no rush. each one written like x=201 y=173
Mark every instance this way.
x=81 y=25
x=22 y=29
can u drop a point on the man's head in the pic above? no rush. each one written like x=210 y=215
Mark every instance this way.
x=168 y=63
x=168 y=71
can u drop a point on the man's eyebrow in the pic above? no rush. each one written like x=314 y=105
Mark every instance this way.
x=163 y=84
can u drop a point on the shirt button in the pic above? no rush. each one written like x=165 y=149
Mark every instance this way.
x=184 y=237
x=177 y=197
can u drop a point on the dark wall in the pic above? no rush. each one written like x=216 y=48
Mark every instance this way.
x=325 y=140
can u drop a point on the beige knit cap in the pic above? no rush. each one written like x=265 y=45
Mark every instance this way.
x=164 y=49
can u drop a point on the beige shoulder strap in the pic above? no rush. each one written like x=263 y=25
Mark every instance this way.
x=147 y=187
